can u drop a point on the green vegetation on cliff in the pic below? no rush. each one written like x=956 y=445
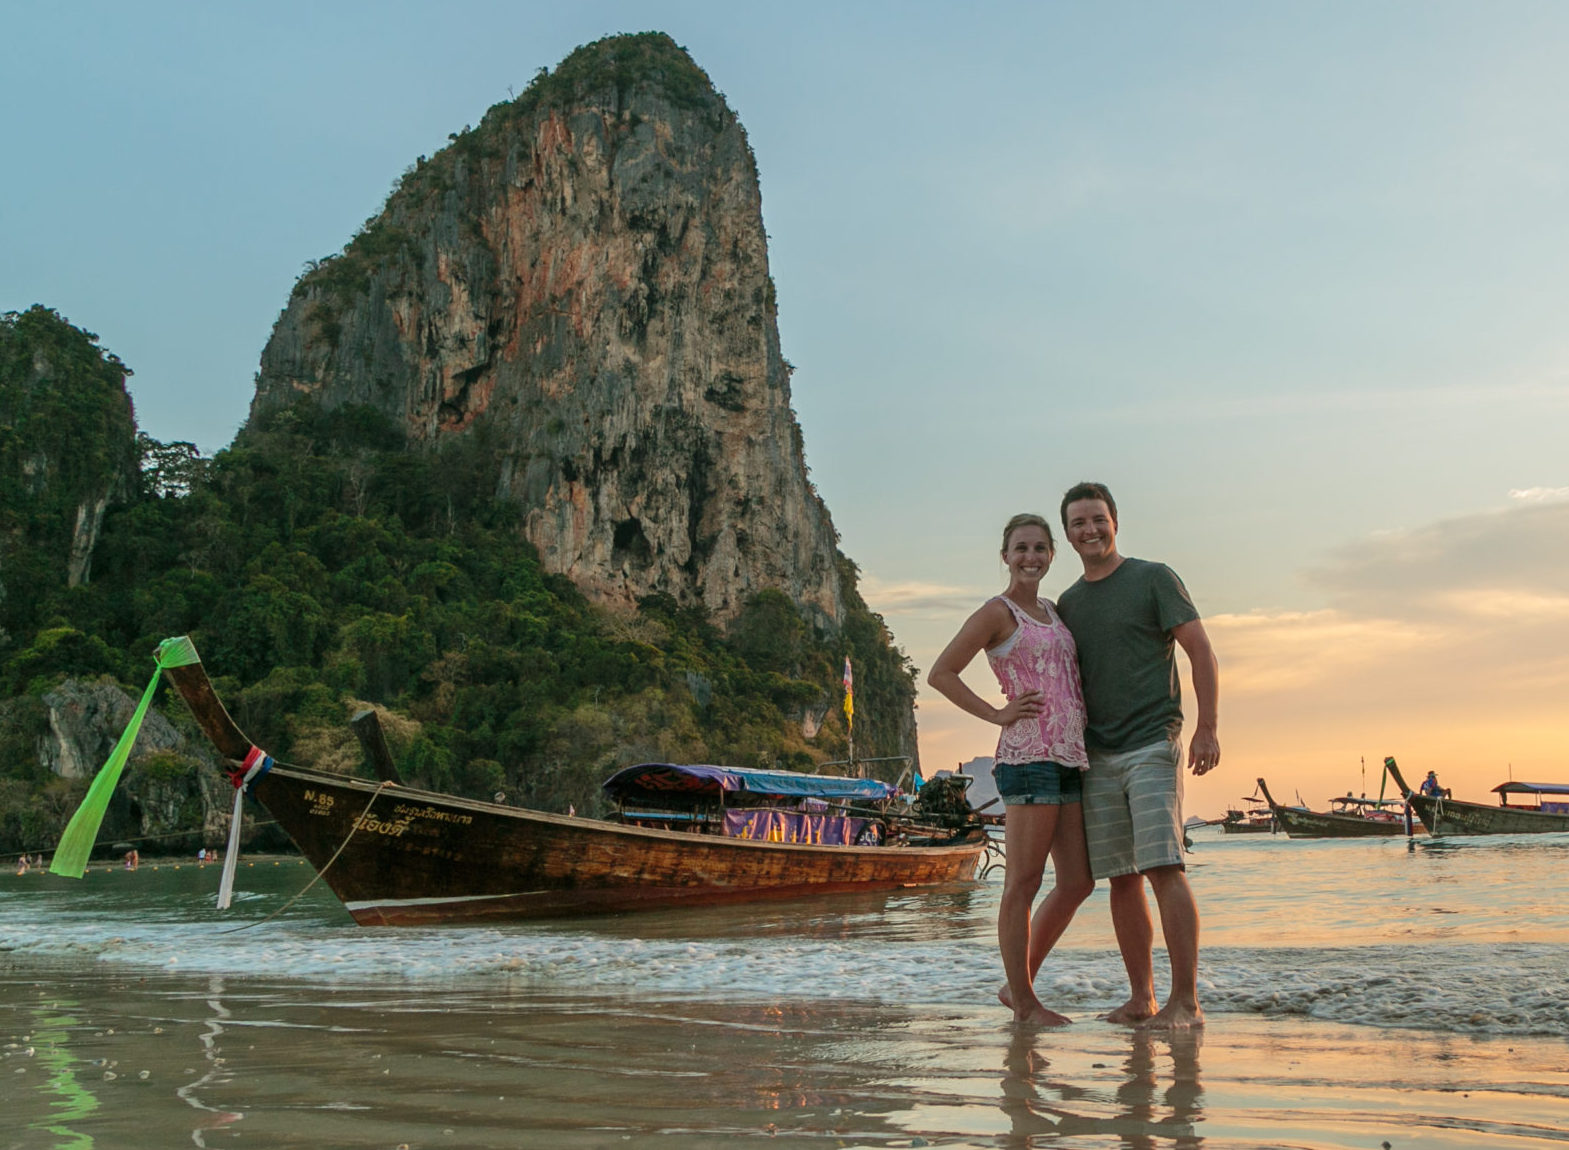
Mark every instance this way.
x=67 y=444
x=321 y=565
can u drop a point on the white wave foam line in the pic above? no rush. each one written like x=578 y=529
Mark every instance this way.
x=1520 y=989
x=1517 y=990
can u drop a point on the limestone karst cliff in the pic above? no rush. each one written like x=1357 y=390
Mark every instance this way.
x=585 y=276
x=67 y=444
x=550 y=366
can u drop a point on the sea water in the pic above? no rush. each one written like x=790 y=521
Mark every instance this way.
x=1464 y=935
x=1326 y=947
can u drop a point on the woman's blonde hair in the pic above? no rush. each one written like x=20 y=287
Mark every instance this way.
x=1026 y=519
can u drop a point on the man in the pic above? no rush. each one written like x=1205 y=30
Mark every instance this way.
x=1127 y=617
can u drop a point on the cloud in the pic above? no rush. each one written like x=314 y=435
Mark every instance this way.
x=1540 y=494
x=914 y=597
x=1514 y=607
x=1515 y=558
x=1271 y=652
x=1446 y=645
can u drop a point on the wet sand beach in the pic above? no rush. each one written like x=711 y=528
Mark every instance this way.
x=132 y=1014
x=169 y=1060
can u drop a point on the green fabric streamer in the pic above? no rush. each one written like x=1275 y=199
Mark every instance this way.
x=70 y=857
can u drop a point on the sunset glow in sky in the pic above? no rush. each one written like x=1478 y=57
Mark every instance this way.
x=1292 y=279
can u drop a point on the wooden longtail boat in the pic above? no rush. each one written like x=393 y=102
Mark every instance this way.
x=1255 y=819
x=1445 y=816
x=1347 y=818
x=399 y=856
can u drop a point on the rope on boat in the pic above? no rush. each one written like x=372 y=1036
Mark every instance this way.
x=996 y=856
x=353 y=826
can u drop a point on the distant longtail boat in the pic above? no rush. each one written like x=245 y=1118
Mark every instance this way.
x=1347 y=817
x=1445 y=816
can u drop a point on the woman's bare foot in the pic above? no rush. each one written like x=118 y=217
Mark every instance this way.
x=1038 y=1015
x=1175 y=1016
x=1134 y=1012
x=1033 y=1012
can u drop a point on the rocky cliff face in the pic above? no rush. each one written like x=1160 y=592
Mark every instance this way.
x=584 y=277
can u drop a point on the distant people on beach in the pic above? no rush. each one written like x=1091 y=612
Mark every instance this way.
x=1127 y=617
x=133 y=859
x=1040 y=756
x=1431 y=787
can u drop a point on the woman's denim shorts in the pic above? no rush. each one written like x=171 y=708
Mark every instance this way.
x=1020 y=784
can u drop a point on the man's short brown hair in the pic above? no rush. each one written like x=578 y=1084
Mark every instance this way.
x=1088 y=490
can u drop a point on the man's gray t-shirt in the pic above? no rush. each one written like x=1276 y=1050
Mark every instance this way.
x=1122 y=625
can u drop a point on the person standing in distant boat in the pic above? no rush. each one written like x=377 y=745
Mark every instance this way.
x=1040 y=756
x=1127 y=617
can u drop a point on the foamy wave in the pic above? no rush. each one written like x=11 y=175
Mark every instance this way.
x=1520 y=989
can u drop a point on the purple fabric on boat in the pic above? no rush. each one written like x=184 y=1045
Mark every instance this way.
x=769 y=824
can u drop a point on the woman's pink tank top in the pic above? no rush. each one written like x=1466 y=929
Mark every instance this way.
x=1041 y=657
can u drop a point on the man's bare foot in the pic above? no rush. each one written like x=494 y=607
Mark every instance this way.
x=1135 y=1012
x=1034 y=1013
x=1175 y=1016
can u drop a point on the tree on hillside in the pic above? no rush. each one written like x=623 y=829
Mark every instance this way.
x=67 y=446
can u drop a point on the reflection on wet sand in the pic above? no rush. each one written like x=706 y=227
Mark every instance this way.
x=216 y=1076
x=1152 y=1106
x=69 y=1100
x=207 y=1060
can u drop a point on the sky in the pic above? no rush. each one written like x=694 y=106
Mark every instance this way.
x=1291 y=279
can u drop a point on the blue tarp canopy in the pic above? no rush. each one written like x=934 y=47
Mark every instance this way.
x=671 y=780
x=1532 y=789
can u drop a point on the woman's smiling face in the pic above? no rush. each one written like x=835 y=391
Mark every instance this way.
x=1028 y=554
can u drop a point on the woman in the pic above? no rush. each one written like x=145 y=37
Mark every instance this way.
x=1040 y=756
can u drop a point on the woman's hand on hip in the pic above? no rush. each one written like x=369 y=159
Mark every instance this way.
x=1029 y=705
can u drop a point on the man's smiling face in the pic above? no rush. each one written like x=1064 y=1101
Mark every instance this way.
x=1091 y=530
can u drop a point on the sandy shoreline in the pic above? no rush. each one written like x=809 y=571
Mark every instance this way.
x=1359 y=994
x=161 y=1059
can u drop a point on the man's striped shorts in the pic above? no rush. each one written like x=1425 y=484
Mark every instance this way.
x=1133 y=809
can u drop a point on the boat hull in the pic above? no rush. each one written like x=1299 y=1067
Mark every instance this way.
x=1301 y=823
x=1448 y=817
x=1304 y=824
x=402 y=857
x=1248 y=828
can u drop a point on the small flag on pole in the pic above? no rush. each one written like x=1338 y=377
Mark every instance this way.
x=849 y=692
